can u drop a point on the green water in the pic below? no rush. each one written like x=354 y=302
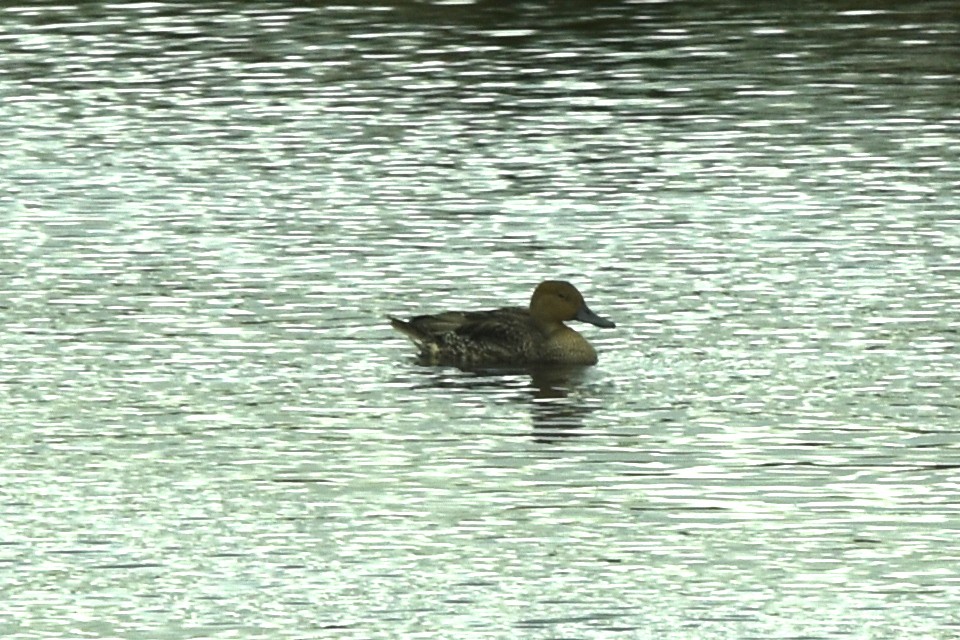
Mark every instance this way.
x=210 y=430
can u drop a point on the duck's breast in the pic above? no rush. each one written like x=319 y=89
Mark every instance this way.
x=568 y=347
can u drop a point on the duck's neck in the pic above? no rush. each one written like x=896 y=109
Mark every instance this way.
x=550 y=328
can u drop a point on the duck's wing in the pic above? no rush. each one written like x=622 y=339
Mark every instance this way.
x=422 y=329
x=472 y=337
x=478 y=324
x=498 y=336
x=499 y=325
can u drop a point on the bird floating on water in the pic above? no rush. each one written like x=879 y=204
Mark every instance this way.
x=509 y=336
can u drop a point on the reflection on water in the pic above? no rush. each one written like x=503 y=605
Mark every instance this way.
x=210 y=431
x=555 y=400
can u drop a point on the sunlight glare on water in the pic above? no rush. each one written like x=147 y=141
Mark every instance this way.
x=211 y=430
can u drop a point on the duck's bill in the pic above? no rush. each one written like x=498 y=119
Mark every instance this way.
x=585 y=315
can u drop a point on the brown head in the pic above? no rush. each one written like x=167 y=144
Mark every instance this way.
x=555 y=301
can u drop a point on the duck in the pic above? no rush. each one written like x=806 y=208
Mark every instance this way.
x=508 y=336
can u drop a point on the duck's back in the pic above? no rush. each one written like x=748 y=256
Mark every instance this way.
x=503 y=336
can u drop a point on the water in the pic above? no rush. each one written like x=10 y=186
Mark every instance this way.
x=210 y=430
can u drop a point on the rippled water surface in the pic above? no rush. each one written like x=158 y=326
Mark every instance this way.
x=209 y=430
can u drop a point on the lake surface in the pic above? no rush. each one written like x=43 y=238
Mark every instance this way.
x=210 y=431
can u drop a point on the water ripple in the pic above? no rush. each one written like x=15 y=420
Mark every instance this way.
x=211 y=431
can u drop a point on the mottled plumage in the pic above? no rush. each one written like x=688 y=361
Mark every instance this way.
x=510 y=336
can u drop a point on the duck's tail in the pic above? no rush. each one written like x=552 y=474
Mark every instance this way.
x=418 y=337
x=425 y=342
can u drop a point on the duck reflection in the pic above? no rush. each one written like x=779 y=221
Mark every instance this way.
x=558 y=410
x=554 y=394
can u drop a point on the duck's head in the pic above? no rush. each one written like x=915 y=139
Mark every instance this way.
x=558 y=300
